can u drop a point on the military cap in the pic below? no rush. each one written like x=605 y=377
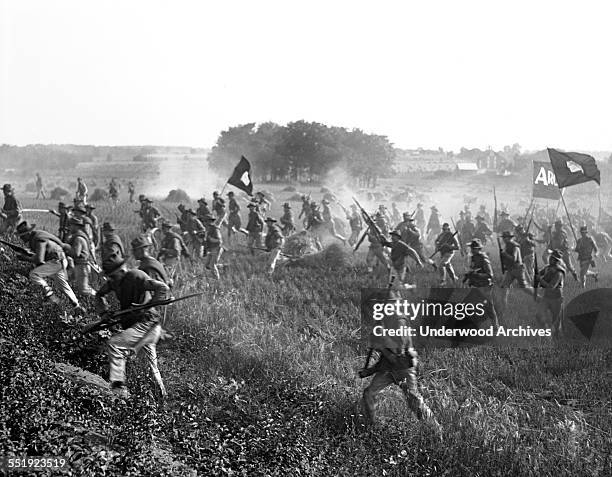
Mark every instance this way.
x=503 y=212
x=7 y=187
x=519 y=227
x=146 y=199
x=208 y=217
x=62 y=205
x=251 y=205
x=108 y=226
x=270 y=219
x=191 y=211
x=202 y=201
x=166 y=225
x=584 y=228
x=112 y=263
x=556 y=255
x=23 y=228
x=433 y=207
x=220 y=201
x=141 y=197
x=476 y=243
x=445 y=225
x=558 y=222
x=90 y=207
x=216 y=193
x=286 y=205
x=395 y=233
x=406 y=215
x=80 y=209
x=461 y=212
x=313 y=204
x=141 y=241
x=507 y=234
x=260 y=193
x=230 y=193
x=76 y=221
x=479 y=217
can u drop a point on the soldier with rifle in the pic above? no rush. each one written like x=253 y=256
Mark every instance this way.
x=141 y=329
x=482 y=212
x=433 y=225
x=233 y=221
x=10 y=214
x=79 y=250
x=286 y=220
x=95 y=224
x=527 y=245
x=306 y=209
x=397 y=365
x=506 y=224
x=63 y=212
x=355 y=223
x=399 y=251
x=559 y=241
x=214 y=245
x=172 y=249
x=141 y=249
x=328 y=220
x=315 y=224
x=410 y=234
x=551 y=279
x=446 y=243
x=482 y=231
x=46 y=252
x=112 y=246
x=254 y=227
x=196 y=234
x=480 y=275
x=376 y=239
x=274 y=243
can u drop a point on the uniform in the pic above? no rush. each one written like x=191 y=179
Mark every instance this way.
x=552 y=279
x=559 y=241
x=196 y=234
x=81 y=192
x=214 y=249
x=481 y=276
x=399 y=251
x=255 y=228
x=315 y=224
x=10 y=214
x=329 y=222
x=527 y=246
x=375 y=252
x=79 y=250
x=274 y=244
x=419 y=219
x=356 y=225
x=482 y=231
x=233 y=221
x=286 y=221
x=513 y=265
x=172 y=248
x=433 y=225
x=142 y=329
x=39 y=187
x=446 y=243
x=586 y=247
x=306 y=211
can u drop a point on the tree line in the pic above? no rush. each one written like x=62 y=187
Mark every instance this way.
x=303 y=151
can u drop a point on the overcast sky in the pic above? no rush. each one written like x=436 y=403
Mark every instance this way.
x=427 y=73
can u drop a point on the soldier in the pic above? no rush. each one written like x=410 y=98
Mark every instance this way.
x=468 y=230
x=11 y=210
x=397 y=365
x=410 y=234
x=112 y=246
x=376 y=252
x=50 y=260
x=328 y=220
x=356 y=225
x=604 y=243
x=315 y=224
x=559 y=241
x=433 y=225
x=141 y=249
x=79 y=249
x=39 y=187
x=274 y=243
x=460 y=222
x=214 y=245
x=513 y=263
x=218 y=205
x=484 y=214
x=480 y=276
x=254 y=227
x=399 y=251
x=506 y=224
x=150 y=216
x=234 y=222
x=172 y=249
x=586 y=247
x=551 y=279
x=382 y=223
x=63 y=213
x=395 y=214
x=527 y=245
x=446 y=243
x=95 y=224
x=419 y=219
x=286 y=220
x=131 y=191
x=384 y=213
x=141 y=329
x=88 y=227
x=113 y=193
x=263 y=204
x=183 y=219
x=81 y=192
x=196 y=233
x=482 y=231
x=306 y=210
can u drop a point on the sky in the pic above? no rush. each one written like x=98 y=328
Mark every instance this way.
x=426 y=74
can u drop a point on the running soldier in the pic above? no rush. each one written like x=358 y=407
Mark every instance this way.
x=316 y=224
x=586 y=247
x=484 y=214
x=467 y=230
x=49 y=259
x=480 y=276
x=376 y=252
x=214 y=245
x=397 y=365
x=141 y=249
x=506 y=224
x=419 y=219
x=113 y=193
x=39 y=187
x=433 y=225
x=482 y=231
x=395 y=214
x=513 y=263
x=328 y=219
x=410 y=234
x=81 y=192
x=79 y=249
x=202 y=210
x=196 y=234
x=551 y=279
x=218 y=205
x=234 y=222
x=306 y=210
x=286 y=220
x=11 y=211
x=131 y=191
x=527 y=245
x=254 y=228
x=263 y=204
x=399 y=251
x=95 y=225
x=274 y=243
x=446 y=243
x=141 y=329
x=112 y=246
x=172 y=249
x=559 y=241
x=183 y=219
x=150 y=216
x=356 y=224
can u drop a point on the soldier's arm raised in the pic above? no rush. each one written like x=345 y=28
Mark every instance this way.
x=160 y=289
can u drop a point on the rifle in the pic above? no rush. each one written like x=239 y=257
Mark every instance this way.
x=459 y=237
x=360 y=241
x=441 y=245
x=536 y=276
x=17 y=248
x=368 y=220
x=501 y=257
x=115 y=317
x=35 y=210
x=499 y=246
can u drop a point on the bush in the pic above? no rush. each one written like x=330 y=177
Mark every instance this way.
x=177 y=195
x=98 y=195
x=58 y=193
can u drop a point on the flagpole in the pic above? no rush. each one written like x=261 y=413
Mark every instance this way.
x=599 y=212
x=223 y=190
x=568 y=217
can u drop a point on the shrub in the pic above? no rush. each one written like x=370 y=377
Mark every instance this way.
x=177 y=195
x=98 y=195
x=58 y=193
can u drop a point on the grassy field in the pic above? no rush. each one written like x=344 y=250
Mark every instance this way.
x=262 y=381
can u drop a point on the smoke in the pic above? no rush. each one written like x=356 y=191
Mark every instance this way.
x=189 y=173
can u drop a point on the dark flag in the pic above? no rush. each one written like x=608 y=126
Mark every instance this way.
x=241 y=177
x=573 y=168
